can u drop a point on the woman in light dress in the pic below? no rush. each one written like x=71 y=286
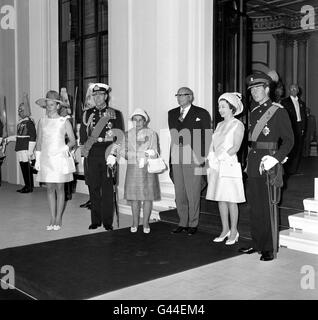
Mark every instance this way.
x=141 y=187
x=51 y=155
x=227 y=189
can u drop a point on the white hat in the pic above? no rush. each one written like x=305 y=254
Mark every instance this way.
x=140 y=112
x=100 y=87
x=235 y=99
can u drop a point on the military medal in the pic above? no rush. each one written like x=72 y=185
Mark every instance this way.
x=266 y=131
x=110 y=131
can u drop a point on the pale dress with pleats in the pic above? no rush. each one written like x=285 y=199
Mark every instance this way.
x=227 y=189
x=52 y=154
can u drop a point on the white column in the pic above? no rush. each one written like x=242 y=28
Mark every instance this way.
x=44 y=51
x=157 y=46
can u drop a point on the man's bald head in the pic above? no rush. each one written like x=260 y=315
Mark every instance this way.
x=185 y=96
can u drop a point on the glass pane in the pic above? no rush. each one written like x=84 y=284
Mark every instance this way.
x=103 y=15
x=72 y=60
x=89 y=17
x=104 y=79
x=74 y=19
x=104 y=55
x=65 y=21
x=90 y=50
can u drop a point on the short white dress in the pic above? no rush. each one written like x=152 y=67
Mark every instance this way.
x=52 y=154
x=227 y=189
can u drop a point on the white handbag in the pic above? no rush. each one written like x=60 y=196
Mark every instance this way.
x=156 y=165
x=68 y=164
x=230 y=169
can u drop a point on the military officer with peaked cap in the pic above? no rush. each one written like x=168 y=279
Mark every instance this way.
x=99 y=180
x=269 y=146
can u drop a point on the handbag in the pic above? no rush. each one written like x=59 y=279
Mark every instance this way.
x=156 y=165
x=230 y=169
x=68 y=164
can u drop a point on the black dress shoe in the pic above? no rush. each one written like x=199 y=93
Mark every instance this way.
x=267 y=256
x=93 y=226
x=192 y=231
x=249 y=250
x=26 y=190
x=86 y=204
x=108 y=228
x=179 y=229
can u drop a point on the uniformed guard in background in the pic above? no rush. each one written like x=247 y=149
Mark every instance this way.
x=25 y=143
x=97 y=133
x=271 y=139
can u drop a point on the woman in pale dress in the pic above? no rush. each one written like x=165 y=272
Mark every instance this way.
x=141 y=187
x=227 y=189
x=51 y=155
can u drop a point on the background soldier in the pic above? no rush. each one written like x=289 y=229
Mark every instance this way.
x=99 y=180
x=265 y=154
x=25 y=144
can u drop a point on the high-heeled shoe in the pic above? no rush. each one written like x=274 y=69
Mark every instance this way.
x=146 y=230
x=220 y=239
x=49 y=228
x=230 y=242
x=56 y=228
x=133 y=229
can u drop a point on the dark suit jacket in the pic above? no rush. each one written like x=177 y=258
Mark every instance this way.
x=196 y=122
x=289 y=106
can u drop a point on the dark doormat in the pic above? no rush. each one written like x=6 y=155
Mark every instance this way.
x=87 y=266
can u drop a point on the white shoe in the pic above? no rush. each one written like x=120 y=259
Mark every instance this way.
x=56 y=228
x=133 y=229
x=49 y=228
x=220 y=239
x=230 y=242
x=147 y=230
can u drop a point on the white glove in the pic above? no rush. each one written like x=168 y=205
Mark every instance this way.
x=31 y=150
x=111 y=160
x=267 y=162
x=150 y=153
x=37 y=160
x=285 y=160
x=11 y=139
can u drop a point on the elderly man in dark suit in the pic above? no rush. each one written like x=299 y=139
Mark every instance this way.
x=189 y=126
x=297 y=113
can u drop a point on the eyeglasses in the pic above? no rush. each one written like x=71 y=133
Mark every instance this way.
x=182 y=94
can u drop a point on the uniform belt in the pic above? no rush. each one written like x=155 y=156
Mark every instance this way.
x=264 y=145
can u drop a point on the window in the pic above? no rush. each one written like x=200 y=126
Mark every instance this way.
x=83 y=38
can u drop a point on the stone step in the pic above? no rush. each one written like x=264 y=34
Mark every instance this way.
x=310 y=204
x=305 y=221
x=299 y=240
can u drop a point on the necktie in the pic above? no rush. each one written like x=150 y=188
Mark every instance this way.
x=181 y=118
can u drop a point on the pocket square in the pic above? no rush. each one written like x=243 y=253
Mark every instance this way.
x=197 y=119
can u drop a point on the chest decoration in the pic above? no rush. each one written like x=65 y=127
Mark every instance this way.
x=109 y=127
x=266 y=131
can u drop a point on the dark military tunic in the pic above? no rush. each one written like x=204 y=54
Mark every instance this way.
x=278 y=131
x=26 y=133
x=99 y=181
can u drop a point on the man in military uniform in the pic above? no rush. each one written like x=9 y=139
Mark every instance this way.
x=271 y=139
x=25 y=144
x=99 y=179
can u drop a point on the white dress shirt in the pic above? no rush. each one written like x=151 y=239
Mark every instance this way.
x=297 y=108
x=186 y=110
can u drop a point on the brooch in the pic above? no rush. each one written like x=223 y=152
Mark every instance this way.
x=266 y=131
x=109 y=126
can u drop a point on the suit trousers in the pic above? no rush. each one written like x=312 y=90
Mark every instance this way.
x=188 y=191
x=260 y=222
x=100 y=192
x=296 y=153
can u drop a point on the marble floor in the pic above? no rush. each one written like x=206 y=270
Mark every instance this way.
x=24 y=217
